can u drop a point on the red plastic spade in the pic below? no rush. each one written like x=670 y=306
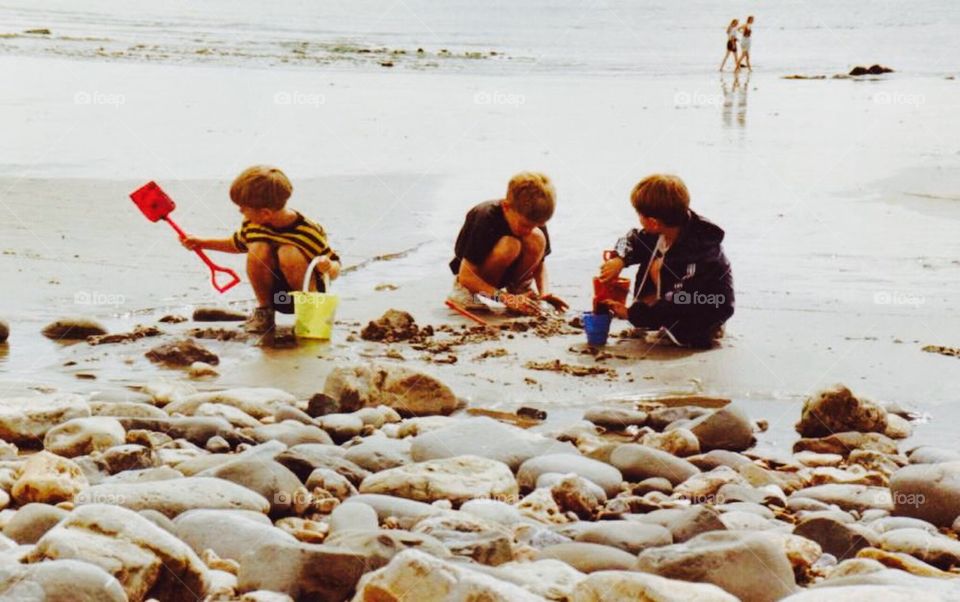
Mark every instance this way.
x=156 y=206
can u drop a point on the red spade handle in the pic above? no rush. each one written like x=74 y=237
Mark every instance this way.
x=214 y=268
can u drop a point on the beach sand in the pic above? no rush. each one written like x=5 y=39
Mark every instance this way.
x=838 y=205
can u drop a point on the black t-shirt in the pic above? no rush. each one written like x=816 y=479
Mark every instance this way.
x=484 y=226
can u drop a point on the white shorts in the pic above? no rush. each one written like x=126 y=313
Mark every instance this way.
x=745 y=45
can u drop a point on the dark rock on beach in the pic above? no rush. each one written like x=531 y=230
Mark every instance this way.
x=218 y=314
x=73 y=329
x=182 y=353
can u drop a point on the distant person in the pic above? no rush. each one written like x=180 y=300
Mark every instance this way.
x=731 y=43
x=280 y=244
x=684 y=286
x=501 y=251
x=746 y=33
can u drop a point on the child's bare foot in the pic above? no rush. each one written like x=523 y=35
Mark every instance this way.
x=260 y=321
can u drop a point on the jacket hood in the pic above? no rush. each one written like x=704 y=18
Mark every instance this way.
x=699 y=237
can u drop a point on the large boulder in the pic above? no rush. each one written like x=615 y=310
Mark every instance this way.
x=748 y=565
x=83 y=436
x=456 y=479
x=838 y=410
x=600 y=473
x=147 y=560
x=614 y=586
x=728 y=428
x=928 y=491
x=174 y=496
x=48 y=479
x=26 y=420
x=639 y=462
x=413 y=575
x=303 y=571
x=405 y=390
x=487 y=438
x=229 y=533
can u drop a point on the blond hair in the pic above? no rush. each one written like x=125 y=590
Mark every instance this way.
x=663 y=197
x=261 y=187
x=532 y=195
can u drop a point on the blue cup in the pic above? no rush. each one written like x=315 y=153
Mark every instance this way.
x=597 y=327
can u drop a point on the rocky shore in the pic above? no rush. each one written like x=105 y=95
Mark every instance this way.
x=382 y=488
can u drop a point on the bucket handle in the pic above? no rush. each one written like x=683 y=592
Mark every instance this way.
x=309 y=274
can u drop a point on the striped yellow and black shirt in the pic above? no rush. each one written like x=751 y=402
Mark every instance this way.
x=305 y=234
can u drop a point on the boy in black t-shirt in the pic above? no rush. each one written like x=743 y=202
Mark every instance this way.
x=501 y=249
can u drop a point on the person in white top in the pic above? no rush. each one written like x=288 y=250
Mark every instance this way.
x=731 y=43
x=746 y=34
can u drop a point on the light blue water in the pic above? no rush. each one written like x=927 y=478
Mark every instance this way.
x=567 y=35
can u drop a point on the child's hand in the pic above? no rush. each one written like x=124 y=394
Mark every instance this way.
x=611 y=269
x=324 y=264
x=558 y=304
x=191 y=243
x=523 y=304
x=616 y=308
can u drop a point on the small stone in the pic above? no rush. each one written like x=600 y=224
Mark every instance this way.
x=849 y=497
x=217 y=445
x=575 y=494
x=728 y=428
x=615 y=419
x=380 y=453
x=128 y=457
x=838 y=410
x=614 y=586
x=183 y=352
x=73 y=329
x=600 y=473
x=629 y=536
x=4 y=332
x=301 y=570
x=229 y=533
x=31 y=521
x=218 y=314
x=589 y=557
x=25 y=420
x=928 y=491
x=844 y=443
x=202 y=370
x=270 y=479
x=679 y=442
x=174 y=496
x=837 y=538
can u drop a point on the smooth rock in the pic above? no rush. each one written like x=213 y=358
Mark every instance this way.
x=127 y=457
x=346 y=517
x=31 y=521
x=844 y=443
x=405 y=390
x=551 y=579
x=678 y=442
x=291 y=433
x=174 y=496
x=341 y=427
x=629 y=536
x=493 y=511
x=332 y=482
x=59 y=581
x=304 y=459
x=589 y=557
x=575 y=494
x=615 y=586
x=229 y=533
x=258 y=402
x=840 y=539
x=196 y=430
x=129 y=409
x=181 y=353
x=380 y=453
x=408 y=512
x=728 y=428
x=638 y=462
x=615 y=419
x=926 y=454
x=82 y=436
x=25 y=421
x=487 y=438
x=48 y=479
x=935 y=549
x=600 y=473
x=413 y=575
x=234 y=416
x=146 y=560
x=378 y=547
x=762 y=572
x=456 y=479
x=466 y=535
x=849 y=497
x=685 y=523
x=302 y=571
x=930 y=492
x=274 y=481
x=73 y=329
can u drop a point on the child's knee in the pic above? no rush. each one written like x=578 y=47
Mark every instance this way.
x=535 y=243
x=260 y=256
x=291 y=256
x=507 y=249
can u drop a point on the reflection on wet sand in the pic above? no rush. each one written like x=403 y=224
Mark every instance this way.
x=735 y=100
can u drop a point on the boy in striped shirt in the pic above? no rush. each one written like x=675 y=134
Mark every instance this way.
x=279 y=242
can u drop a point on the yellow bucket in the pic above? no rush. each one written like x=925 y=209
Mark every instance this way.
x=314 y=312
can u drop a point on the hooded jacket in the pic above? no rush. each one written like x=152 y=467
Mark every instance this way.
x=696 y=283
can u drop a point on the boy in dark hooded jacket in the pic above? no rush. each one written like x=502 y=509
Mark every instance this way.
x=684 y=285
